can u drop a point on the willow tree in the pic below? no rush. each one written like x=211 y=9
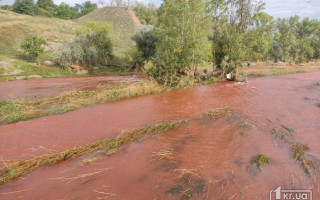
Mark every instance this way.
x=181 y=29
x=231 y=21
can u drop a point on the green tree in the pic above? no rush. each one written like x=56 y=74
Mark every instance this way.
x=284 y=43
x=146 y=14
x=231 y=21
x=45 y=4
x=46 y=7
x=33 y=45
x=64 y=11
x=259 y=38
x=181 y=29
x=27 y=7
x=98 y=34
x=306 y=34
x=145 y=40
x=88 y=7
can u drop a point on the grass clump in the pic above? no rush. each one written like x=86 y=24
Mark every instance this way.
x=283 y=137
x=9 y=171
x=308 y=164
x=17 y=110
x=298 y=150
x=260 y=161
x=218 y=112
x=190 y=184
x=163 y=154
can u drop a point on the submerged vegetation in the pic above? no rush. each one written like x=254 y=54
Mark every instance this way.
x=17 y=110
x=12 y=170
x=218 y=112
x=299 y=150
x=260 y=161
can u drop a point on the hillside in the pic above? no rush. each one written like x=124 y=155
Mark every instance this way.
x=14 y=27
x=123 y=22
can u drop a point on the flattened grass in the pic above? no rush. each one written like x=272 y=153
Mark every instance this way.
x=218 y=112
x=15 y=169
x=299 y=150
x=17 y=110
x=10 y=171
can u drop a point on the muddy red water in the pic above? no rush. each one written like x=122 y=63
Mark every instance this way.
x=40 y=88
x=218 y=152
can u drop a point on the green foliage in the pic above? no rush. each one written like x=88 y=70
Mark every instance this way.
x=231 y=23
x=79 y=51
x=146 y=14
x=181 y=30
x=259 y=39
x=145 y=40
x=295 y=40
x=45 y=4
x=46 y=7
x=87 y=7
x=260 y=161
x=91 y=46
x=33 y=45
x=64 y=11
x=27 y=7
x=6 y=7
x=98 y=35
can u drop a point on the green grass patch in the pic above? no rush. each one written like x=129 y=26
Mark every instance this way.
x=17 y=110
x=290 y=130
x=260 y=161
x=12 y=170
x=30 y=69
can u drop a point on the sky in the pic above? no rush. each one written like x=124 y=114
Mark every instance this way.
x=276 y=8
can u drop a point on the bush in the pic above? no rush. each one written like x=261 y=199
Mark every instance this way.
x=33 y=45
x=64 y=11
x=145 y=40
x=78 y=52
x=98 y=35
x=6 y=7
x=27 y=7
x=91 y=46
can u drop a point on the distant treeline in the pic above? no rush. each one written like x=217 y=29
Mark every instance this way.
x=146 y=13
x=49 y=9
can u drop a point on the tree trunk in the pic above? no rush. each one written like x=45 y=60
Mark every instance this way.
x=38 y=61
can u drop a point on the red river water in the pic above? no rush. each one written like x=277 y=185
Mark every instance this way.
x=218 y=151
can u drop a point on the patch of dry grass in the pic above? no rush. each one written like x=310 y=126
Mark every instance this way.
x=163 y=154
x=15 y=169
x=278 y=70
x=17 y=110
x=218 y=112
x=299 y=150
